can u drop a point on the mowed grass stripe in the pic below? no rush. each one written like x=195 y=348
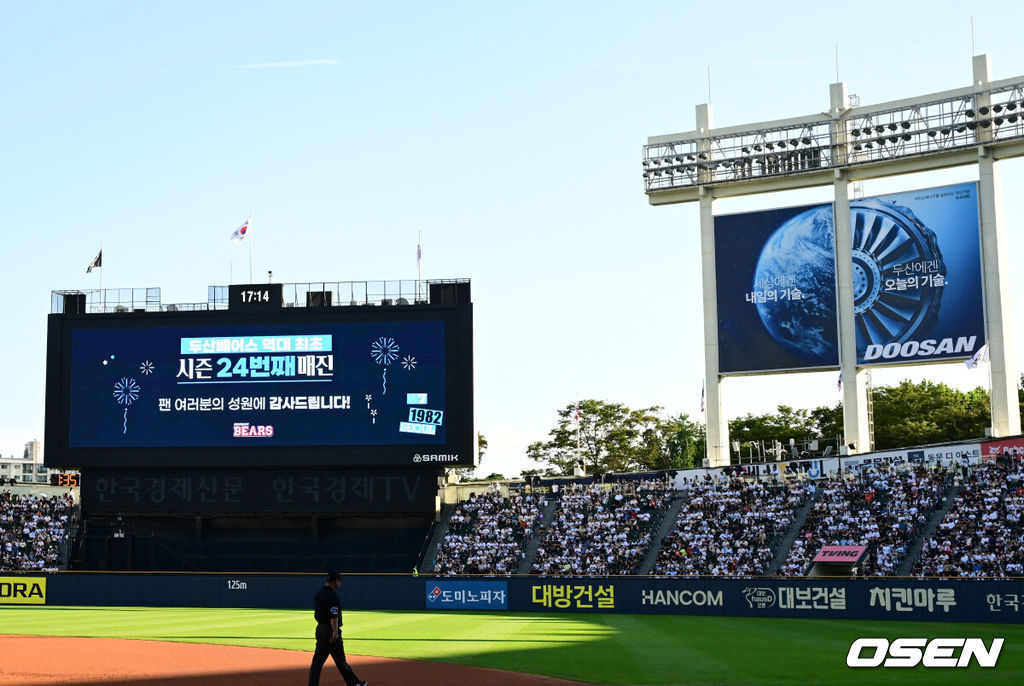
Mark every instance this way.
x=655 y=650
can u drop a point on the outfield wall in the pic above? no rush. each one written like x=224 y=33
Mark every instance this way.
x=893 y=599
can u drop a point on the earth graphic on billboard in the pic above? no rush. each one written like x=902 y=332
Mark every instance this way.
x=797 y=264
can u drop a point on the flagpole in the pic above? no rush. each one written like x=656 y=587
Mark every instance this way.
x=578 y=422
x=249 y=223
x=419 y=261
x=103 y=297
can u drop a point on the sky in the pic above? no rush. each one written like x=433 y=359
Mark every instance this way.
x=507 y=134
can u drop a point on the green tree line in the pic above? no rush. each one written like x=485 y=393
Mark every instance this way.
x=611 y=437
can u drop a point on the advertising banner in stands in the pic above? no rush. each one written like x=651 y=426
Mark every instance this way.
x=916 y=282
x=840 y=553
x=892 y=458
x=948 y=455
x=813 y=469
x=1010 y=446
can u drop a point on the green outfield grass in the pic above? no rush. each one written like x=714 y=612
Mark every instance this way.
x=597 y=649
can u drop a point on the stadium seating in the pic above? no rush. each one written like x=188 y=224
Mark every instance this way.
x=600 y=529
x=882 y=509
x=981 y=535
x=729 y=526
x=487 y=534
x=34 y=531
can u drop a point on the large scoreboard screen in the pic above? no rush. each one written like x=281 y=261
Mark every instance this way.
x=296 y=387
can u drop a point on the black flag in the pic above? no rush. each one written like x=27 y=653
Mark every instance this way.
x=96 y=262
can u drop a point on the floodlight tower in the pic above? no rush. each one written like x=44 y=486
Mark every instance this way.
x=980 y=124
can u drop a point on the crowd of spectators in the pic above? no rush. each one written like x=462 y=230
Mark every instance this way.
x=602 y=529
x=981 y=535
x=487 y=534
x=882 y=509
x=729 y=526
x=33 y=530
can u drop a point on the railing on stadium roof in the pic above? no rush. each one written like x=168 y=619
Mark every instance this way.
x=931 y=131
x=342 y=294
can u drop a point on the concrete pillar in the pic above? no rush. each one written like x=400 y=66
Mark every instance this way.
x=717 y=424
x=856 y=429
x=994 y=249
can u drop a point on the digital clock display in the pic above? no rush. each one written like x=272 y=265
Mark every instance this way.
x=68 y=480
x=265 y=297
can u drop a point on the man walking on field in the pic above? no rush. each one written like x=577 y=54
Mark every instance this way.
x=327 y=612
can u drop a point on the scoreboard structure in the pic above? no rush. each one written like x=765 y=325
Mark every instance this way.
x=275 y=427
x=906 y=278
x=259 y=385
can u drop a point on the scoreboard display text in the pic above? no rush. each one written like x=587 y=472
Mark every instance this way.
x=342 y=387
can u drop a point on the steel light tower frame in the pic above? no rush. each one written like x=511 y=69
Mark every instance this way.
x=979 y=124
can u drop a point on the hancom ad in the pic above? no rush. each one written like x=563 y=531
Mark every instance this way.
x=916 y=282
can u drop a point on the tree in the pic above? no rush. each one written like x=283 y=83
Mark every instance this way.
x=927 y=412
x=481 y=442
x=609 y=437
x=784 y=424
x=683 y=443
x=1020 y=397
x=527 y=473
x=828 y=421
x=494 y=476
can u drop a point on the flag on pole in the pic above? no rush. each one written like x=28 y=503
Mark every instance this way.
x=419 y=252
x=577 y=413
x=241 y=231
x=839 y=384
x=979 y=357
x=702 y=397
x=96 y=262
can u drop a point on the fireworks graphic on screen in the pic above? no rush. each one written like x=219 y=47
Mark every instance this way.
x=146 y=367
x=409 y=363
x=126 y=392
x=384 y=351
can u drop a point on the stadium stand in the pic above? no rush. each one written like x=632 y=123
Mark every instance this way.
x=34 y=531
x=487 y=534
x=981 y=535
x=882 y=509
x=602 y=529
x=729 y=526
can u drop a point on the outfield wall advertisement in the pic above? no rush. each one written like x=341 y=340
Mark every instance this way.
x=917 y=283
x=875 y=599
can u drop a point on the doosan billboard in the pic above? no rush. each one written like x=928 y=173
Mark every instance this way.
x=916 y=282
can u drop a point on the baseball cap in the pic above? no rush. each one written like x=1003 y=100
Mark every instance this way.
x=333 y=576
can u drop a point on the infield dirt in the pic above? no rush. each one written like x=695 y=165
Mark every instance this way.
x=44 y=661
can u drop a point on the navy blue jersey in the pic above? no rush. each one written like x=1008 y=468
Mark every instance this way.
x=327 y=606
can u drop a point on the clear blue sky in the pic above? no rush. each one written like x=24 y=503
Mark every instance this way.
x=509 y=134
